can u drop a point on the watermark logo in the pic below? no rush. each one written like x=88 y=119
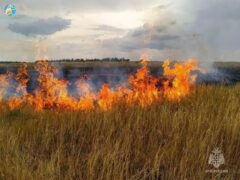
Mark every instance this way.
x=10 y=10
x=216 y=159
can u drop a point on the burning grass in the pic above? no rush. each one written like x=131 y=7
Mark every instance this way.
x=154 y=128
x=171 y=140
x=52 y=92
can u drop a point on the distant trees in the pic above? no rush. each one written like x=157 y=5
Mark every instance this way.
x=114 y=59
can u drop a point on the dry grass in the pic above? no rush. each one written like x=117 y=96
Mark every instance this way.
x=165 y=141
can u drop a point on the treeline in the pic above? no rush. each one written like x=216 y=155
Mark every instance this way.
x=76 y=60
x=93 y=60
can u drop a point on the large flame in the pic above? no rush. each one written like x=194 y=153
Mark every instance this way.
x=179 y=79
x=143 y=87
x=52 y=93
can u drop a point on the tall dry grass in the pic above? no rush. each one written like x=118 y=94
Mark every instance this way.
x=164 y=141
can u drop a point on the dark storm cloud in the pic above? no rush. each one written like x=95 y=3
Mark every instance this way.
x=40 y=27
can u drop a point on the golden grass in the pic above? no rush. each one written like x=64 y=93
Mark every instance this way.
x=164 y=141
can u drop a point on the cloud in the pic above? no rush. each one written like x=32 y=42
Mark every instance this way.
x=205 y=29
x=219 y=27
x=107 y=28
x=150 y=36
x=84 y=6
x=216 y=24
x=147 y=29
x=159 y=32
x=42 y=27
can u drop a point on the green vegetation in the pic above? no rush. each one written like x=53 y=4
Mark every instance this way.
x=165 y=141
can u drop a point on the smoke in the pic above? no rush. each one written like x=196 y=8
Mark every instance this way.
x=95 y=77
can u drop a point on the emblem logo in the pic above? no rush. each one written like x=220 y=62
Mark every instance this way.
x=216 y=158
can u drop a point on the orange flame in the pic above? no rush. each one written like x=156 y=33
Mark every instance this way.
x=86 y=102
x=143 y=88
x=179 y=79
x=23 y=78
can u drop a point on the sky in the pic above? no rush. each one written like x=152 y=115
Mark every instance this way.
x=207 y=30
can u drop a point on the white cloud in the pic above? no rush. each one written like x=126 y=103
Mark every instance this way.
x=206 y=29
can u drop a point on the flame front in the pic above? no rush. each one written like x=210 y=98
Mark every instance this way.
x=143 y=87
x=52 y=93
x=179 y=79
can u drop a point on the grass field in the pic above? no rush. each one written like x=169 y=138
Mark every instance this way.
x=165 y=141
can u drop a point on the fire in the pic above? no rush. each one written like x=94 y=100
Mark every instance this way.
x=5 y=84
x=23 y=78
x=179 y=79
x=86 y=102
x=14 y=102
x=107 y=98
x=52 y=93
x=144 y=87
